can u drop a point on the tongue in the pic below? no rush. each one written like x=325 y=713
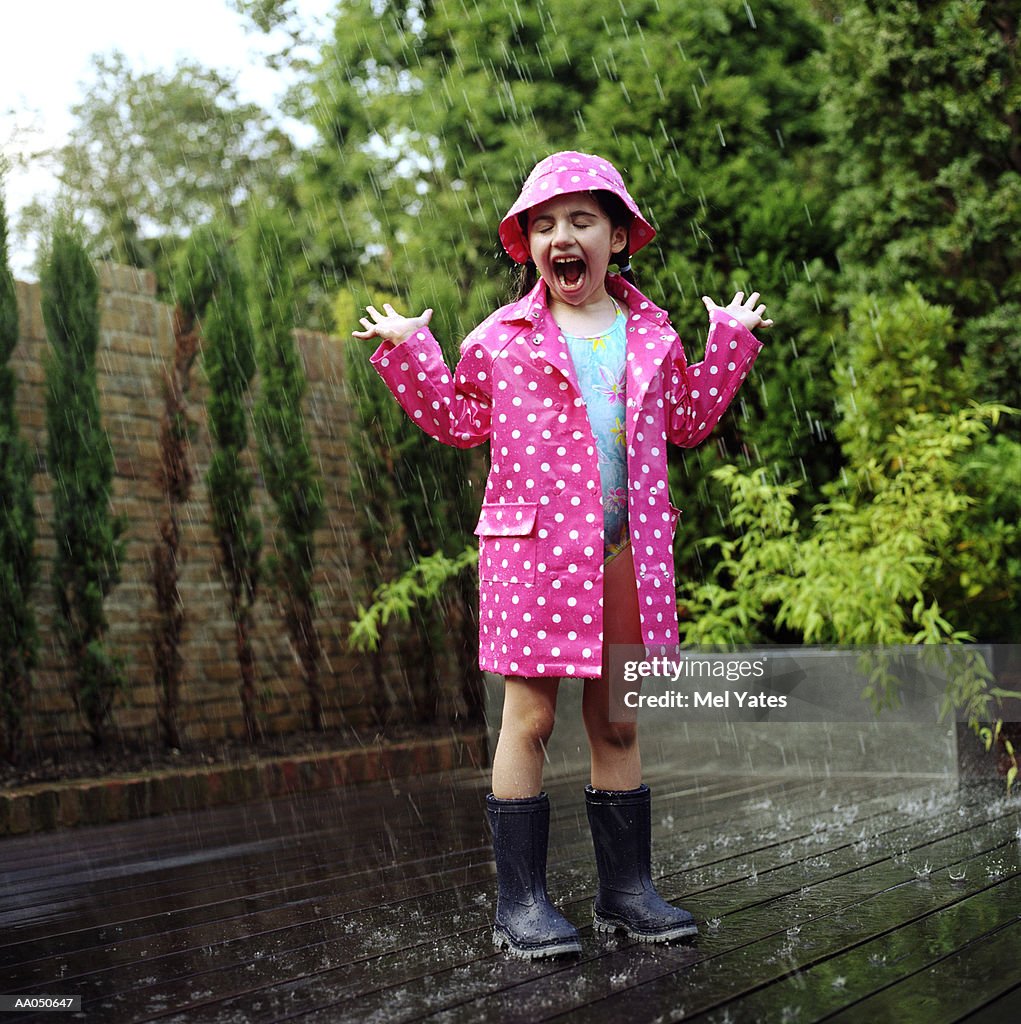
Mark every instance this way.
x=571 y=272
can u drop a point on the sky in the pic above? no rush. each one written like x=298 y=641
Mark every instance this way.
x=46 y=50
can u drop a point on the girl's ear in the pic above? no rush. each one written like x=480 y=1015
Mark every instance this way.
x=618 y=238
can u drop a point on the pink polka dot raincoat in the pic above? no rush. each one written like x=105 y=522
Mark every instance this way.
x=540 y=527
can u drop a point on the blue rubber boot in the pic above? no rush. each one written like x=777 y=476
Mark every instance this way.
x=621 y=823
x=527 y=924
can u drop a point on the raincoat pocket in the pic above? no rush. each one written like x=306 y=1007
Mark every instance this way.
x=507 y=542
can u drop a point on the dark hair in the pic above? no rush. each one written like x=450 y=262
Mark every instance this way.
x=620 y=217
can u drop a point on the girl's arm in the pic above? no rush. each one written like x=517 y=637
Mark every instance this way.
x=699 y=395
x=454 y=408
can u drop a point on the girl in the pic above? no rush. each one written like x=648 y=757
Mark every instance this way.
x=577 y=385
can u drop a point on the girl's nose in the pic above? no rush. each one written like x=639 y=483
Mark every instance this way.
x=563 y=233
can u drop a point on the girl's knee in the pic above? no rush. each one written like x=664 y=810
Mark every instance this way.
x=535 y=725
x=529 y=714
x=617 y=735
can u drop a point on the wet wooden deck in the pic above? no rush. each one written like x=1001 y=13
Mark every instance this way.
x=858 y=897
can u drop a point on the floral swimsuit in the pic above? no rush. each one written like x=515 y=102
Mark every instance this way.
x=599 y=363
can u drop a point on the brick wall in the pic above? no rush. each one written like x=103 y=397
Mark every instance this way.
x=136 y=344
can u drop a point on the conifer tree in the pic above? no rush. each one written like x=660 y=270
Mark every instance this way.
x=285 y=455
x=211 y=281
x=372 y=449
x=88 y=547
x=18 y=567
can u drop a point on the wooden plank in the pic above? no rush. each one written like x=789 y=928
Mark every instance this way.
x=349 y=827
x=302 y=884
x=441 y=935
x=347 y=822
x=330 y=847
x=957 y=984
x=750 y=947
x=533 y=1009
x=349 y=982
x=147 y=946
x=908 y=945
x=108 y=954
x=1005 y=1009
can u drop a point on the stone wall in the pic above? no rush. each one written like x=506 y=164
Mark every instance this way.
x=136 y=344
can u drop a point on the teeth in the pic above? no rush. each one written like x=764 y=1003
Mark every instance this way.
x=561 y=264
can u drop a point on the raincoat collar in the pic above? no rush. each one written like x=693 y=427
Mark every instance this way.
x=646 y=321
x=531 y=308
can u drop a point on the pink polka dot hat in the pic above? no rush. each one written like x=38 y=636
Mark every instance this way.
x=563 y=173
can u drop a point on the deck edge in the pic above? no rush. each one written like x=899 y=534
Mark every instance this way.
x=47 y=806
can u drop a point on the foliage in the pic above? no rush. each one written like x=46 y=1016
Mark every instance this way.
x=855 y=162
x=896 y=366
x=402 y=597
x=415 y=498
x=373 y=449
x=993 y=735
x=986 y=565
x=285 y=455
x=282 y=19
x=879 y=563
x=923 y=112
x=210 y=281
x=19 y=641
x=265 y=15
x=153 y=154
x=867 y=569
x=89 y=549
x=427 y=135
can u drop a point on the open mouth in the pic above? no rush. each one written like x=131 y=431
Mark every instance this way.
x=570 y=271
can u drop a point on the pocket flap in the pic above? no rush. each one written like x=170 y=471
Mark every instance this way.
x=506 y=519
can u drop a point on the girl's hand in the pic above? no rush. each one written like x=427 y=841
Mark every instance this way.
x=742 y=310
x=390 y=325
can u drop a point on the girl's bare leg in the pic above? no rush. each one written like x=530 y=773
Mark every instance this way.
x=616 y=759
x=621 y=820
x=529 y=710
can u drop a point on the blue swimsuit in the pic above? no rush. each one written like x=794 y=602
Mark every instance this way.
x=599 y=363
